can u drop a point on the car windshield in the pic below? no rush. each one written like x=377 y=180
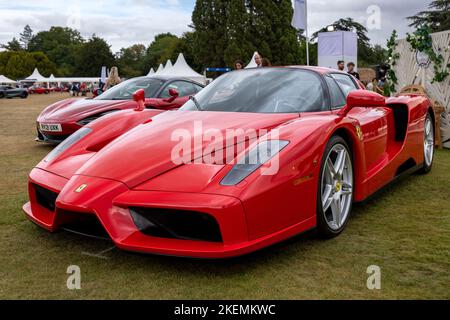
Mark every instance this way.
x=126 y=89
x=262 y=90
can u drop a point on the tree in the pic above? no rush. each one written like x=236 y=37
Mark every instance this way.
x=131 y=61
x=92 y=55
x=438 y=17
x=225 y=31
x=13 y=45
x=161 y=49
x=26 y=36
x=60 y=45
x=20 y=64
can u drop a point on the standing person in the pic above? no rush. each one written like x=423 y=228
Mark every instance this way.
x=258 y=60
x=341 y=65
x=239 y=65
x=113 y=79
x=266 y=63
x=351 y=70
x=83 y=89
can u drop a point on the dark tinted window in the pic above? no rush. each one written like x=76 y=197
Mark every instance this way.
x=345 y=83
x=184 y=89
x=337 y=97
x=125 y=90
x=198 y=88
x=263 y=90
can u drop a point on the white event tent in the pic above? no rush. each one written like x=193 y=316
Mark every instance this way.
x=5 y=80
x=38 y=78
x=160 y=69
x=167 y=68
x=182 y=69
x=151 y=72
x=252 y=63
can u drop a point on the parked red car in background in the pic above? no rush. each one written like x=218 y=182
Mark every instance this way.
x=63 y=118
x=38 y=90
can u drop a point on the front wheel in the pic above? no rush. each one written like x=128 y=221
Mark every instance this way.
x=428 y=144
x=335 y=192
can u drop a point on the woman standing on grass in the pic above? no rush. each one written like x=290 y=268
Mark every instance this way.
x=113 y=79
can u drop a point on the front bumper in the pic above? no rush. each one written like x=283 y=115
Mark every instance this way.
x=56 y=137
x=109 y=202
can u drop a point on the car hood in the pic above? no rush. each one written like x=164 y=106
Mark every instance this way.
x=77 y=109
x=146 y=151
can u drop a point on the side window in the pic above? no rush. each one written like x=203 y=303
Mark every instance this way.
x=337 y=97
x=197 y=88
x=345 y=83
x=184 y=89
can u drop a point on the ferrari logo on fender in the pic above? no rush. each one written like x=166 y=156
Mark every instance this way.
x=81 y=188
x=359 y=133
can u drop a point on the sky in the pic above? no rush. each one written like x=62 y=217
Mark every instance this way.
x=127 y=22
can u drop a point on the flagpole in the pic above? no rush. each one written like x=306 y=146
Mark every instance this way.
x=306 y=31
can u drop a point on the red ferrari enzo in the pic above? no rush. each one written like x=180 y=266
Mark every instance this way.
x=63 y=118
x=255 y=158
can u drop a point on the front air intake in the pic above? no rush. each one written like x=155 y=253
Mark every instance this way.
x=46 y=198
x=176 y=224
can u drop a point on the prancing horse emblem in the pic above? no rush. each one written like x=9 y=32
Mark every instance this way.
x=81 y=188
x=359 y=133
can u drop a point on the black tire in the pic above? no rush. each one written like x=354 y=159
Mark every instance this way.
x=426 y=168
x=323 y=228
x=24 y=95
x=2 y=95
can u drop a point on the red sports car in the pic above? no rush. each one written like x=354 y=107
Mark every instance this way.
x=38 y=90
x=63 y=118
x=255 y=158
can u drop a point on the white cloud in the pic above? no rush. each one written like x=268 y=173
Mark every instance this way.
x=126 y=22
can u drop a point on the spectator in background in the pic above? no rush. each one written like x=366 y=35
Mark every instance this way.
x=265 y=63
x=341 y=65
x=351 y=70
x=113 y=79
x=258 y=60
x=239 y=65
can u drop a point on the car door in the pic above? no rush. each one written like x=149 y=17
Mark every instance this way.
x=185 y=89
x=373 y=121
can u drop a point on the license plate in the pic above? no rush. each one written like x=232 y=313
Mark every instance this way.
x=50 y=127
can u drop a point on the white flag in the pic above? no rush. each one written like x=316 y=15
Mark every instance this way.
x=299 y=18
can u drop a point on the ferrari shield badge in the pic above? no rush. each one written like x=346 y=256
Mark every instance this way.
x=81 y=188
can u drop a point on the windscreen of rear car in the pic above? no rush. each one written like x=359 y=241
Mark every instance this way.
x=126 y=89
x=262 y=90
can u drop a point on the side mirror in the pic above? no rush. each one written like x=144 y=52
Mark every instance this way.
x=364 y=99
x=139 y=97
x=173 y=95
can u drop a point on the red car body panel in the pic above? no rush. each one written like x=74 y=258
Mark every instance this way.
x=126 y=173
x=68 y=113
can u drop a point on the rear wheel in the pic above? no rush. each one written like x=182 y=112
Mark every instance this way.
x=2 y=95
x=428 y=144
x=335 y=193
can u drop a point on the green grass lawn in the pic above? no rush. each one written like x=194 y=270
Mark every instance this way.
x=405 y=230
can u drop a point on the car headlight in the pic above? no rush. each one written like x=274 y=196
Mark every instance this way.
x=253 y=160
x=66 y=144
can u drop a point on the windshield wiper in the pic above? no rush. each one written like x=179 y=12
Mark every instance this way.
x=197 y=105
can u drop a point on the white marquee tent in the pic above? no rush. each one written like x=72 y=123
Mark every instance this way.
x=5 y=80
x=182 y=69
x=252 y=63
x=37 y=77
x=160 y=69
x=151 y=72
x=167 y=68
